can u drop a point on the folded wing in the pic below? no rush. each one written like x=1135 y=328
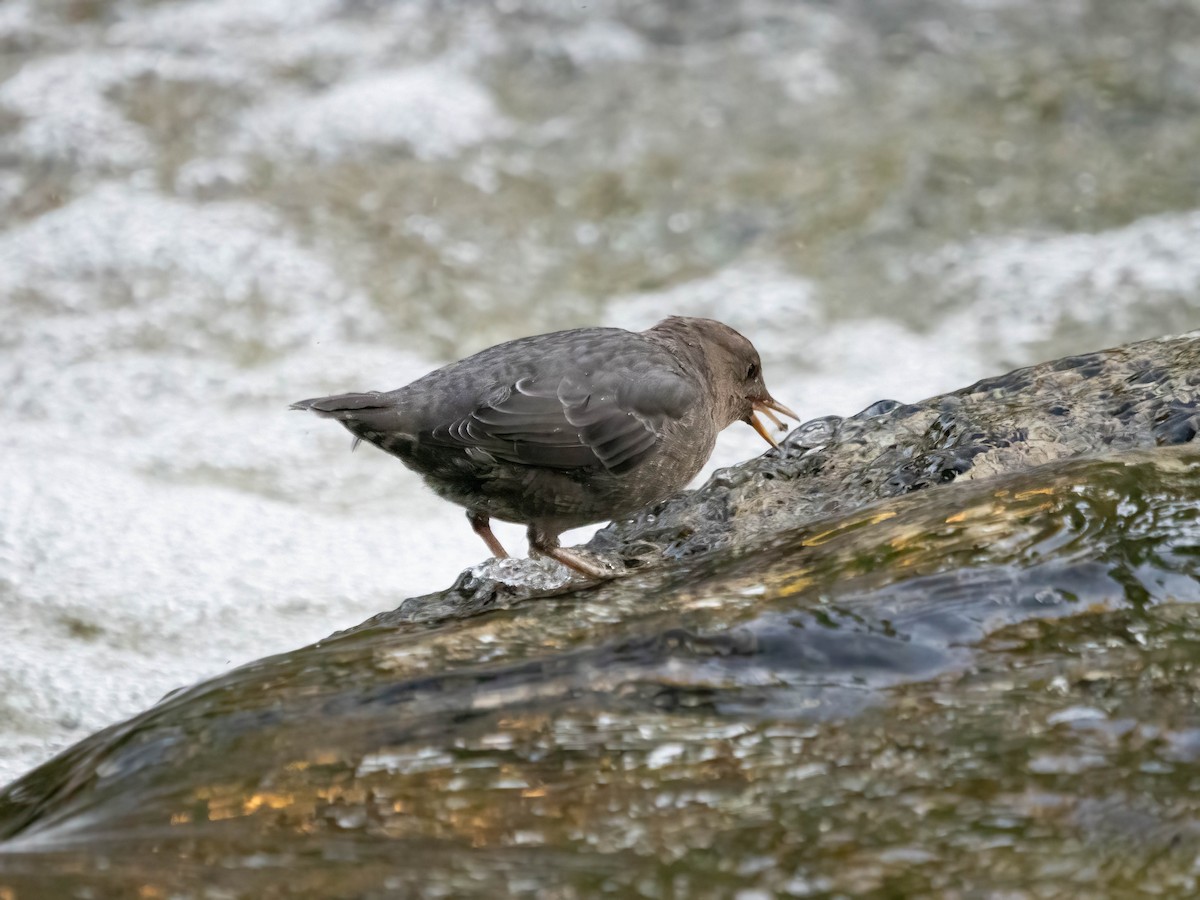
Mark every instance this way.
x=573 y=421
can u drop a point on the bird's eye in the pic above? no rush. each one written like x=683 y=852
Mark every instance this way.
x=752 y=372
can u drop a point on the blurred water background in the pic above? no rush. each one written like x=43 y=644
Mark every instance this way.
x=209 y=209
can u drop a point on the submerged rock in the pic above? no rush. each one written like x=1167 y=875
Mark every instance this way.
x=815 y=678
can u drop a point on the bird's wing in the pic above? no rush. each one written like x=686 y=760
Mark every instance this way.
x=573 y=421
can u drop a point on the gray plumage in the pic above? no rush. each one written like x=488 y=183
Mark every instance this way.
x=560 y=430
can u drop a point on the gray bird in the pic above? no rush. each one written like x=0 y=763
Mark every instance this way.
x=565 y=429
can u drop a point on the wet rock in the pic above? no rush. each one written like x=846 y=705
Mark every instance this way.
x=835 y=647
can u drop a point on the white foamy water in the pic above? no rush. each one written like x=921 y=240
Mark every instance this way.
x=433 y=113
x=69 y=117
x=212 y=209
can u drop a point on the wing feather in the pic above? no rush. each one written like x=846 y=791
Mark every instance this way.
x=572 y=421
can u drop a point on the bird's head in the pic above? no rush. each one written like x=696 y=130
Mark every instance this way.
x=734 y=373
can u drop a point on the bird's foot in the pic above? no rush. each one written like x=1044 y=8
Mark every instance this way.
x=543 y=542
x=585 y=564
x=543 y=571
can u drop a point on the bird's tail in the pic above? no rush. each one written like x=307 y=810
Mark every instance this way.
x=372 y=417
x=339 y=405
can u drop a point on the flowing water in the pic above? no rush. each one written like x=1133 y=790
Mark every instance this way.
x=209 y=209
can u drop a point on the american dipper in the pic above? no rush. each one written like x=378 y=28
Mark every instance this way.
x=560 y=430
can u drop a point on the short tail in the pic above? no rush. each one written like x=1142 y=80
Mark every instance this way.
x=370 y=417
x=337 y=406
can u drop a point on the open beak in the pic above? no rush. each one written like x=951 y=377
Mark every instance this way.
x=765 y=407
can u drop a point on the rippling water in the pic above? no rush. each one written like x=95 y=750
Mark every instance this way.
x=211 y=208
